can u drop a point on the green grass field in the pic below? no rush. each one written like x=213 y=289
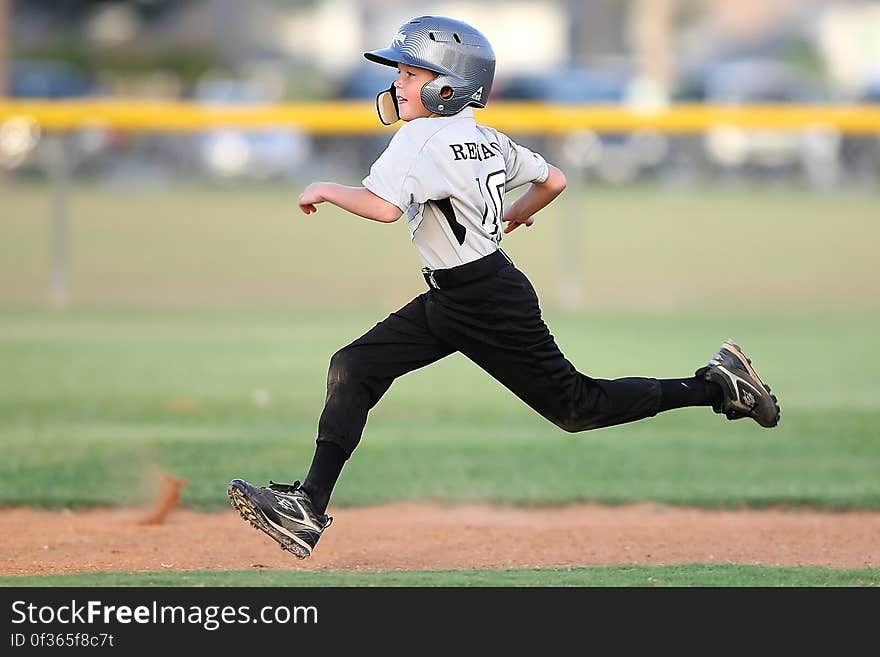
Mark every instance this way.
x=203 y=319
x=602 y=576
x=637 y=248
x=92 y=399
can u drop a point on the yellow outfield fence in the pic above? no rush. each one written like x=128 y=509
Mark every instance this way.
x=339 y=118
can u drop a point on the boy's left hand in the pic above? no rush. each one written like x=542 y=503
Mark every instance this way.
x=513 y=224
x=311 y=195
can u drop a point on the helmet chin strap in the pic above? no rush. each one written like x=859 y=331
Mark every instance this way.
x=386 y=106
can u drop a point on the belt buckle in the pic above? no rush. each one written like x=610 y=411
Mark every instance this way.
x=429 y=278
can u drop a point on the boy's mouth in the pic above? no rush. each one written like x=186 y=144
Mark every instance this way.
x=401 y=99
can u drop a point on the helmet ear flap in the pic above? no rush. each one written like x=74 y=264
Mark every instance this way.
x=449 y=94
x=387 y=107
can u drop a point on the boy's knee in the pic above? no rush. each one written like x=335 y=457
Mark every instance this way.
x=576 y=422
x=571 y=425
x=349 y=375
x=342 y=367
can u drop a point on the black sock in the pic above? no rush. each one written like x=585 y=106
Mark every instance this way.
x=677 y=393
x=326 y=467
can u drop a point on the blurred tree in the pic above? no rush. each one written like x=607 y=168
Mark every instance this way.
x=71 y=32
x=68 y=10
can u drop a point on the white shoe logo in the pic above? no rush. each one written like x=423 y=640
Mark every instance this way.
x=296 y=507
x=748 y=398
x=287 y=504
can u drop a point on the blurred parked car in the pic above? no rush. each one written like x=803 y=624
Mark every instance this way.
x=813 y=152
x=48 y=79
x=612 y=157
x=364 y=82
x=355 y=154
x=860 y=154
x=267 y=153
x=23 y=147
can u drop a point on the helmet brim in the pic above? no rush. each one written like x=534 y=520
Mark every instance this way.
x=392 y=57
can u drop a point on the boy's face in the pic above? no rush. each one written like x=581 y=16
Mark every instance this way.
x=408 y=86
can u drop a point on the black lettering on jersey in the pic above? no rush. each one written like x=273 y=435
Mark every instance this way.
x=445 y=206
x=495 y=146
x=473 y=151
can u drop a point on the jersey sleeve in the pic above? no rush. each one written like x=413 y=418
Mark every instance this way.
x=522 y=165
x=405 y=173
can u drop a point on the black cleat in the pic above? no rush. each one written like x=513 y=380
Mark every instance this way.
x=283 y=511
x=745 y=395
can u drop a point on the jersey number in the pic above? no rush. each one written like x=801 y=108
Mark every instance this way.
x=492 y=191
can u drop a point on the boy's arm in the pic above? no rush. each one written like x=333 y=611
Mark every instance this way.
x=357 y=200
x=536 y=198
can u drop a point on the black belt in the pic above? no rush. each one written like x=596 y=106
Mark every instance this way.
x=445 y=279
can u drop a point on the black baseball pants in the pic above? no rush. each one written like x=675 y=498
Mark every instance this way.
x=488 y=311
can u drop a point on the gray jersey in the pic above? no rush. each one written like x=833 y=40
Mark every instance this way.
x=448 y=175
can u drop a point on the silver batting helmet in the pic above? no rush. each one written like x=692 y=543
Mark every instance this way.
x=460 y=55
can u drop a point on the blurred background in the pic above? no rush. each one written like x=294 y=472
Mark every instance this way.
x=599 y=51
x=633 y=54
x=161 y=295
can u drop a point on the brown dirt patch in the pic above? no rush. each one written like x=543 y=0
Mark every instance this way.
x=421 y=536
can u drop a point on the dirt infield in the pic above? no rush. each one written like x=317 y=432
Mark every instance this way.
x=420 y=536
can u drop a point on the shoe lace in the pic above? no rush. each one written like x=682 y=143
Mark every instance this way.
x=297 y=486
x=284 y=488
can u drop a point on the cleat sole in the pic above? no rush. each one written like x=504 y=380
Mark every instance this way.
x=254 y=516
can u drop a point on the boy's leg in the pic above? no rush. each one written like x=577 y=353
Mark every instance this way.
x=294 y=515
x=692 y=391
x=359 y=374
x=509 y=339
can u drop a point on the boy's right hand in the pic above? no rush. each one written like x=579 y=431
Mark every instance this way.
x=310 y=197
x=513 y=224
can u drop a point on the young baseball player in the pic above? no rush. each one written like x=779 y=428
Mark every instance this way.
x=448 y=175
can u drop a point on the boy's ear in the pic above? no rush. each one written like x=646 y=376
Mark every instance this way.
x=386 y=106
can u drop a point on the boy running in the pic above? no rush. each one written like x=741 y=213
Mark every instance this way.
x=448 y=175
